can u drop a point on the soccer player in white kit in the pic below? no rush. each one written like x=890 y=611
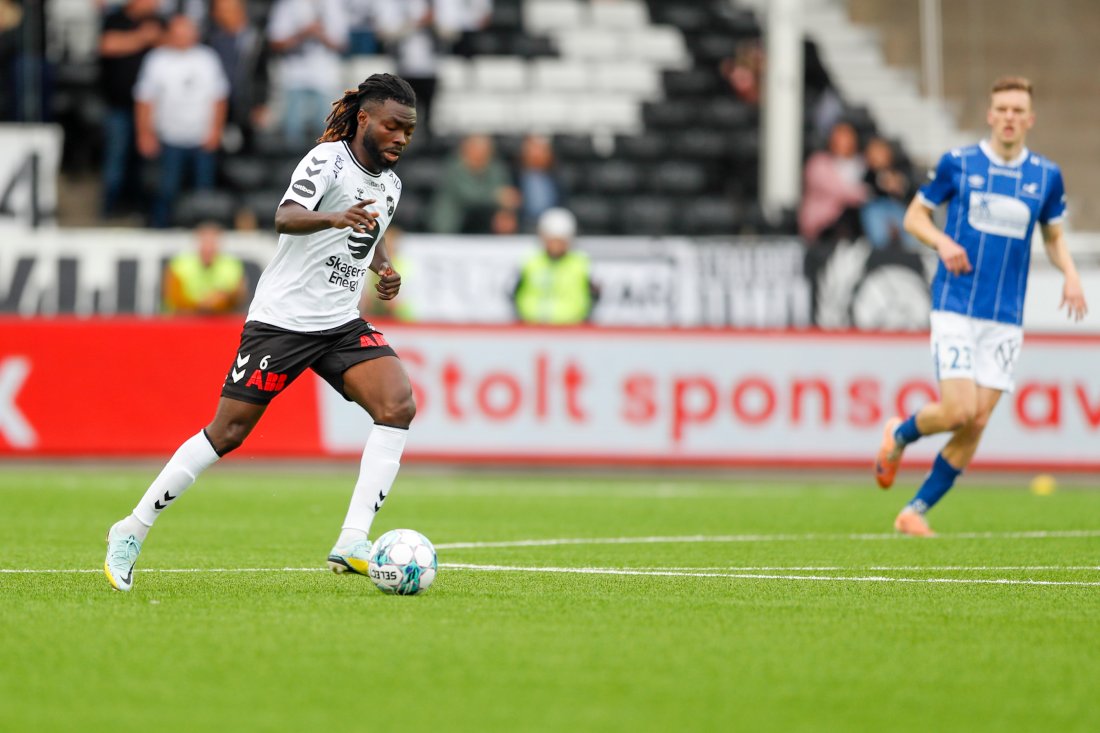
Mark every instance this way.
x=331 y=223
x=996 y=191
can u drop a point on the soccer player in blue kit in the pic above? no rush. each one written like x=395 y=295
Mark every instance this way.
x=995 y=193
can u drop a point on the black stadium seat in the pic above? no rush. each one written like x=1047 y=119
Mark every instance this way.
x=262 y=204
x=652 y=215
x=194 y=207
x=411 y=214
x=246 y=174
x=679 y=177
x=669 y=115
x=595 y=214
x=694 y=83
x=420 y=174
x=614 y=177
x=711 y=215
x=729 y=114
x=574 y=147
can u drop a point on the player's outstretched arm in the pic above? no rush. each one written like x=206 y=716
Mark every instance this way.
x=918 y=222
x=1073 y=296
x=293 y=218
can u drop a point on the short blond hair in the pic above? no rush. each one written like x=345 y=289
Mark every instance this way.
x=1012 y=84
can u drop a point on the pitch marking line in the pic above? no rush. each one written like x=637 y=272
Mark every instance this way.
x=666 y=572
x=640 y=568
x=755 y=576
x=1038 y=534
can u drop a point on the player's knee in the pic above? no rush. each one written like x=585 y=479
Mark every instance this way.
x=981 y=419
x=960 y=416
x=228 y=437
x=398 y=410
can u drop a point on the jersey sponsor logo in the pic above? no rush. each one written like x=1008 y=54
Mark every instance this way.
x=375 y=185
x=1006 y=172
x=1003 y=216
x=304 y=187
x=270 y=382
x=344 y=274
x=360 y=244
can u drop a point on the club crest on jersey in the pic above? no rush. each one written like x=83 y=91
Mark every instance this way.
x=389 y=206
x=976 y=181
x=304 y=187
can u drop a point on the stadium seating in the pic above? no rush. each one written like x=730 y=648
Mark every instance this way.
x=648 y=135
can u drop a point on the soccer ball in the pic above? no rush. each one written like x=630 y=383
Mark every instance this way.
x=402 y=561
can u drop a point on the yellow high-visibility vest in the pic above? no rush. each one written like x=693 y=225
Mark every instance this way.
x=197 y=282
x=555 y=292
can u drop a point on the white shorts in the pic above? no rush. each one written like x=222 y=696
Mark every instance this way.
x=977 y=349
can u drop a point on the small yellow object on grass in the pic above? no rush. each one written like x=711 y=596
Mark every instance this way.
x=1043 y=485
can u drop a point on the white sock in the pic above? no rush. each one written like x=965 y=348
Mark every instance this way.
x=191 y=459
x=377 y=470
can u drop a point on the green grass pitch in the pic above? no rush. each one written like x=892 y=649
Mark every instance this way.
x=793 y=608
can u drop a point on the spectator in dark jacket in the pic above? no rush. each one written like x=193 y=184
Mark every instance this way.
x=243 y=52
x=129 y=33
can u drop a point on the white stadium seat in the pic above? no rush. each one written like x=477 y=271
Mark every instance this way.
x=559 y=75
x=606 y=113
x=634 y=78
x=462 y=112
x=541 y=16
x=592 y=43
x=454 y=73
x=358 y=68
x=549 y=113
x=500 y=73
x=625 y=14
x=660 y=45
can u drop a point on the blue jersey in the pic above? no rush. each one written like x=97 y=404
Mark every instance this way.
x=993 y=205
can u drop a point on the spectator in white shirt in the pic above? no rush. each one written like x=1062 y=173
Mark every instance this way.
x=308 y=36
x=181 y=100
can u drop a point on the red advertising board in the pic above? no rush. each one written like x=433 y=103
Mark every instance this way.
x=128 y=387
x=488 y=394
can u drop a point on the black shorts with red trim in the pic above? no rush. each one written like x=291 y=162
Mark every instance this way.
x=270 y=358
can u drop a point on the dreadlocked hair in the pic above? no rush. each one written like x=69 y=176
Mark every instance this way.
x=344 y=118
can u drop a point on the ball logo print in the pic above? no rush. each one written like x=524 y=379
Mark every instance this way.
x=403 y=562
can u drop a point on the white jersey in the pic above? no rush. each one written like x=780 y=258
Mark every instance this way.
x=314 y=280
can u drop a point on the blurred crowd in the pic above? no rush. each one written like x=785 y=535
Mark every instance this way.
x=851 y=192
x=185 y=81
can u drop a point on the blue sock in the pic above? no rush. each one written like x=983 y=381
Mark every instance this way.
x=907 y=432
x=937 y=483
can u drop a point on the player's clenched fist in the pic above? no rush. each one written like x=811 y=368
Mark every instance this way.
x=389 y=282
x=357 y=217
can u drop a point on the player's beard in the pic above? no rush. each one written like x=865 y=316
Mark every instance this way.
x=375 y=153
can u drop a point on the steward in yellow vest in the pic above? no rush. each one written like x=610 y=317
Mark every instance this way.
x=555 y=285
x=205 y=281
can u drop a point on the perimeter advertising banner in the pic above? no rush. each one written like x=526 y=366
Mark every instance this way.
x=488 y=394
